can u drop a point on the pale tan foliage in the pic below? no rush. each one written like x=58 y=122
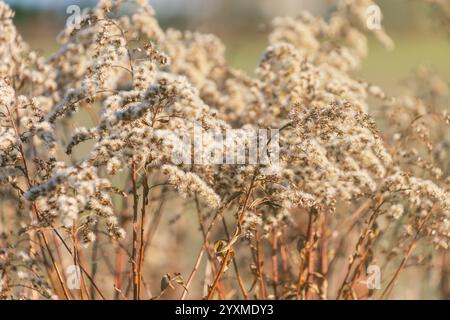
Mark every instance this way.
x=339 y=174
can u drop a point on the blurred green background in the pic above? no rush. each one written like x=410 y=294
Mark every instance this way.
x=243 y=26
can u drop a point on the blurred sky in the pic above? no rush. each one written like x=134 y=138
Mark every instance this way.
x=191 y=7
x=242 y=25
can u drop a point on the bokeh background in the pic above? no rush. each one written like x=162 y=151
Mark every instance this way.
x=243 y=26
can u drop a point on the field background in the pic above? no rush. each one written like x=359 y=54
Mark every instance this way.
x=243 y=26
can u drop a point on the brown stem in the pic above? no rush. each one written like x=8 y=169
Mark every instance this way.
x=58 y=273
x=355 y=217
x=154 y=223
x=135 y=279
x=301 y=270
x=46 y=263
x=75 y=259
x=235 y=265
x=241 y=219
x=94 y=262
x=284 y=255
x=259 y=265
x=360 y=241
x=216 y=280
x=324 y=259
x=34 y=208
x=205 y=247
x=307 y=253
x=310 y=255
x=81 y=267
x=145 y=192
x=193 y=272
x=387 y=291
x=82 y=274
x=275 y=264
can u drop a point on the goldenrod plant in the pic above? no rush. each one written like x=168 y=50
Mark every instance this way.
x=300 y=181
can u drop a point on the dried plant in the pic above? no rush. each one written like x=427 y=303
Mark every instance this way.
x=360 y=186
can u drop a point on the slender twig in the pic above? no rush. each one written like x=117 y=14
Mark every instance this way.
x=82 y=275
x=227 y=254
x=193 y=272
x=275 y=263
x=135 y=233
x=33 y=206
x=360 y=241
x=324 y=259
x=81 y=267
x=259 y=265
x=235 y=265
x=387 y=291
x=353 y=221
x=216 y=280
x=145 y=192
x=154 y=223
x=204 y=247
x=58 y=273
x=94 y=254
x=310 y=253
x=75 y=259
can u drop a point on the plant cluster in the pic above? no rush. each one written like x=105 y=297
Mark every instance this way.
x=86 y=173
